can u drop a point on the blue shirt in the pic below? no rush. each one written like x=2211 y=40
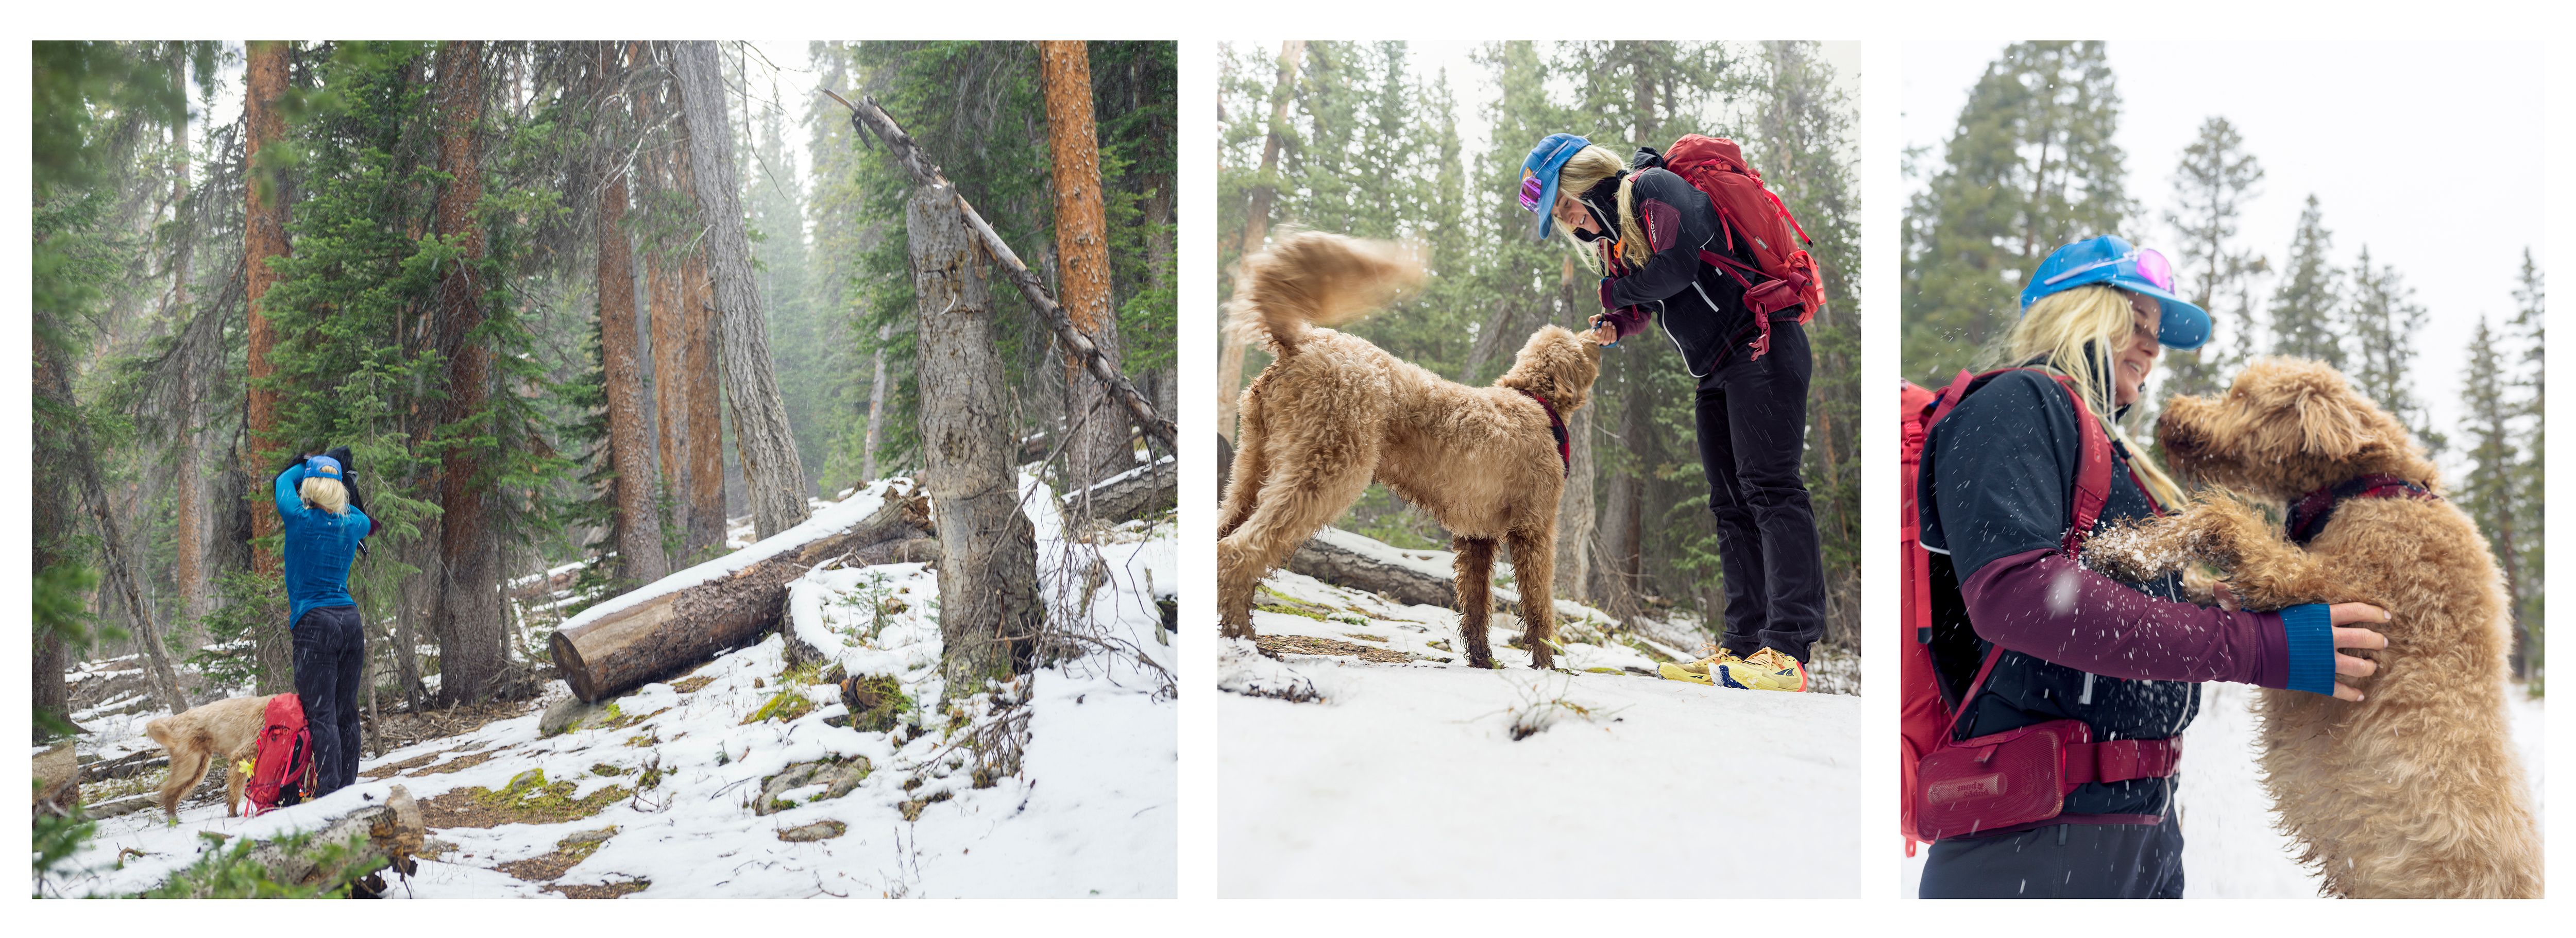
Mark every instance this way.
x=319 y=548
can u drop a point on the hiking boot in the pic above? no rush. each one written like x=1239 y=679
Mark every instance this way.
x=1765 y=670
x=1703 y=671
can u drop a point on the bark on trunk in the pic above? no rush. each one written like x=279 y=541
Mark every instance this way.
x=988 y=602
x=703 y=448
x=638 y=524
x=1574 y=515
x=630 y=647
x=1256 y=229
x=469 y=623
x=188 y=496
x=876 y=404
x=264 y=238
x=1103 y=443
x=53 y=381
x=773 y=475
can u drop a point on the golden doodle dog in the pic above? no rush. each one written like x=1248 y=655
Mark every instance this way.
x=1333 y=412
x=227 y=730
x=2415 y=791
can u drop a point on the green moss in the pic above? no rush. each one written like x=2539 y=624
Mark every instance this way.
x=877 y=702
x=785 y=706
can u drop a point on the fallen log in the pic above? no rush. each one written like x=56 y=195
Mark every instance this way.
x=619 y=646
x=1350 y=560
x=388 y=834
x=1133 y=494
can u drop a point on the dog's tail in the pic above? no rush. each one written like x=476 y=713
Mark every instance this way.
x=1313 y=278
x=159 y=731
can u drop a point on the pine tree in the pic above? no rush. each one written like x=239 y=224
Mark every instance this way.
x=2383 y=319
x=2490 y=491
x=2305 y=307
x=2031 y=167
x=2210 y=188
x=2530 y=329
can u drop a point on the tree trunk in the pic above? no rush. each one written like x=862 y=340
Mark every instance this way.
x=188 y=495
x=638 y=524
x=703 y=448
x=670 y=398
x=263 y=239
x=876 y=404
x=619 y=650
x=53 y=381
x=1103 y=445
x=469 y=624
x=1574 y=514
x=988 y=601
x=772 y=472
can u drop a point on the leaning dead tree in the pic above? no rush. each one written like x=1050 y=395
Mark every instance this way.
x=866 y=115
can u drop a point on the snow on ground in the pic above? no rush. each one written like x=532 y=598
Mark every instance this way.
x=2230 y=848
x=1406 y=779
x=673 y=771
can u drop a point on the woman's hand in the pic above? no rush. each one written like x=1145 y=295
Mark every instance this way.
x=1602 y=332
x=2346 y=665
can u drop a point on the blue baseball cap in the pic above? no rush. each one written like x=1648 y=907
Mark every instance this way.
x=2111 y=260
x=323 y=467
x=1538 y=178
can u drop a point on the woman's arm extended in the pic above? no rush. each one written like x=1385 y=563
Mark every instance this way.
x=289 y=501
x=2041 y=603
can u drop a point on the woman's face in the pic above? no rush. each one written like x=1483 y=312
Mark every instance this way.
x=2137 y=358
x=1569 y=212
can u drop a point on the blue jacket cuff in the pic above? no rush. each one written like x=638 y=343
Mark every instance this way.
x=2311 y=640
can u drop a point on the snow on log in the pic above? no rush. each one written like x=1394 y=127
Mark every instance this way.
x=1134 y=493
x=392 y=832
x=1359 y=562
x=698 y=613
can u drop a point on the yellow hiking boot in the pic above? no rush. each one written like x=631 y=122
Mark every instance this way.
x=1703 y=671
x=1765 y=670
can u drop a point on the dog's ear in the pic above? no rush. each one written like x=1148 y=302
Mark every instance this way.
x=2335 y=424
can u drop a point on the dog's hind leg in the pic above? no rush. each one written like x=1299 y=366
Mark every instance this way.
x=1304 y=493
x=1475 y=585
x=186 y=770
x=1533 y=569
x=1251 y=464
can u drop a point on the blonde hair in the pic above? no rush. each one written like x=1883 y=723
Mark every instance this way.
x=2076 y=332
x=1588 y=167
x=326 y=494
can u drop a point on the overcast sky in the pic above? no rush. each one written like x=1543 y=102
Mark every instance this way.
x=2429 y=153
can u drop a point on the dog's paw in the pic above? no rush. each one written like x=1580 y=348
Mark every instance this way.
x=2136 y=552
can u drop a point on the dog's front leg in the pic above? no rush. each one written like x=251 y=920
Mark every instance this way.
x=1475 y=583
x=1533 y=567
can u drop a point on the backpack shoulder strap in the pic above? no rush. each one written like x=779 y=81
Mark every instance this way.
x=2092 y=470
x=2093 y=452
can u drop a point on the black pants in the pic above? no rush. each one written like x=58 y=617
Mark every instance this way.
x=330 y=664
x=1752 y=436
x=2064 y=861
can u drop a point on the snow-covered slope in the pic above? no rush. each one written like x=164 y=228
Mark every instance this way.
x=2230 y=848
x=1407 y=779
x=656 y=797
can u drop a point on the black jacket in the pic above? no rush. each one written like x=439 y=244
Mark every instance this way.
x=1701 y=308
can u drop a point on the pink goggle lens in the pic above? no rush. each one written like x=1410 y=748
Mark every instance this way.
x=2153 y=266
x=1531 y=190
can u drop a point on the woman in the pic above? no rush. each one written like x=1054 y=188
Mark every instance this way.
x=1643 y=231
x=323 y=530
x=2123 y=658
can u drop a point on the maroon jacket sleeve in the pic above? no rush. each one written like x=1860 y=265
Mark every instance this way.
x=2041 y=603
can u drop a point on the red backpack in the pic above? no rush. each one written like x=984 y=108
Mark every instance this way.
x=1748 y=212
x=282 y=771
x=1955 y=786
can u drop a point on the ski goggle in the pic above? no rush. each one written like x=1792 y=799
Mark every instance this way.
x=1531 y=190
x=2150 y=264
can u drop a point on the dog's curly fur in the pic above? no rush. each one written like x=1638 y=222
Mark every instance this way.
x=226 y=729
x=1332 y=412
x=2415 y=791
